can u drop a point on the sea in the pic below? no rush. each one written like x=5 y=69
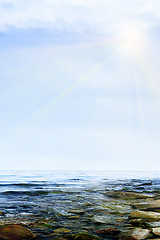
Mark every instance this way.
x=68 y=199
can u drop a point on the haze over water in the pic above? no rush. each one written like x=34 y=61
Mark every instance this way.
x=40 y=189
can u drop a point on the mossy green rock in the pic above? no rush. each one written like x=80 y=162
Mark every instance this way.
x=149 y=216
x=128 y=195
x=85 y=236
x=147 y=205
x=62 y=230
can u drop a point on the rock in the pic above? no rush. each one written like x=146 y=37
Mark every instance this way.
x=128 y=195
x=149 y=216
x=136 y=234
x=73 y=217
x=59 y=238
x=101 y=219
x=147 y=205
x=153 y=224
x=62 y=230
x=77 y=211
x=82 y=236
x=16 y=232
x=138 y=223
x=108 y=231
x=156 y=231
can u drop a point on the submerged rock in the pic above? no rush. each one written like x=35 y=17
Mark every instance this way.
x=128 y=195
x=102 y=219
x=16 y=232
x=153 y=224
x=156 y=231
x=138 y=223
x=149 y=216
x=62 y=230
x=108 y=231
x=136 y=234
x=77 y=211
x=147 y=205
x=82 y=236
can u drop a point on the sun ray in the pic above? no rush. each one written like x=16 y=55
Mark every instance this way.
x=153 y=88
x=142 y=139
x=55 y=100
x=87 y=52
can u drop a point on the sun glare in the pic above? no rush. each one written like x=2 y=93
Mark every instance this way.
x=133 y=41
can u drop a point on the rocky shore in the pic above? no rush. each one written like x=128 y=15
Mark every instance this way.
x=123 y=215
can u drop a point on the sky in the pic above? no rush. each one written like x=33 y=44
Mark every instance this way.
x=80 y=85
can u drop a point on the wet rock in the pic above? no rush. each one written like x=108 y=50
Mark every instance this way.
x=77 y=211
x=149 y=216
x=16 y=232
x=84 y=236
x=147 y=205
x=128 y=195
x=153 y=224
x=62 y=230
x=101 y=219
x=59 y=238
x=108 y=231
x=156 y=231
x=73 y=217
x=138 y=222
x=136 y=234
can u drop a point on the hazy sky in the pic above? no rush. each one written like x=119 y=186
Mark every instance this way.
x=80 y=84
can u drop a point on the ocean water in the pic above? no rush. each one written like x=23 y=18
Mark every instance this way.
x=68 y=199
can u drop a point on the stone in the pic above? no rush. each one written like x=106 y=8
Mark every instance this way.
x=138 y=222
x=108 y=231
x=128 y=195
x=153 y=224
x=156 y=231
x=147 y=205
x=101 y=219
x=136 y=234
x=73 y=217
x=149 y=216
x=77 y=211
x=82 y=236
x=62 y=230
x=16 y=232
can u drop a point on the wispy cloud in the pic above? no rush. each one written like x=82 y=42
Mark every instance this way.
x=77 y=16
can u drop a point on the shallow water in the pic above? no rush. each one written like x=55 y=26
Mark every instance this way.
x=69 y=199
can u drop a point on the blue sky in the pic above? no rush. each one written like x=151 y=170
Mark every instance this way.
x=80 y=84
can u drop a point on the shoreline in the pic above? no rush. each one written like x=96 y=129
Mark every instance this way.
x=124 y=215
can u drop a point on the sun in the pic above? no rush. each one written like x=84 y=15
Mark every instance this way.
x=133 y=40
